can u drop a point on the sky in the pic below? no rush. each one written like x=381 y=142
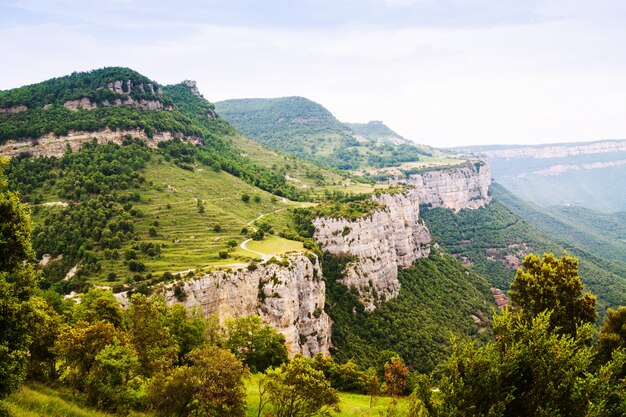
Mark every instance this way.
x=439 y=72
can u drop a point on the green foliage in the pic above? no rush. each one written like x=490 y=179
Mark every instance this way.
x=300 y=127
x=528 y=370
x=492 y=236
x=211 y=385
x=597 y=233
x=99 y=304
x=346 y=377
x=78 y=85
x=612 y=334
x=46 y=327
x=187 y=328
x=553 y=284
x=256 y=344
x=17 y=283
x=146 y=318
x=295 y=389
x=437 y=297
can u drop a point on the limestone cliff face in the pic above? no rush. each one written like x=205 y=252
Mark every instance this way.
x=556 y=151
x=290 y=298
x=86 y=104
x=463 y=187
x=391 y=237
x=50 y=145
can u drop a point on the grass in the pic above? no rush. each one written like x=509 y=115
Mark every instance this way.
x=190 y=238
x=36 y=400
x=275 y=245
x=350 y=405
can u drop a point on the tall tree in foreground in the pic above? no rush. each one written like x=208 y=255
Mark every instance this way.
x=552 y=284
x=17 y=283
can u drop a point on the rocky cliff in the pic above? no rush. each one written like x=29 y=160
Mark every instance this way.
x=290 y=298
x=394 y=236
x=389 y=238
x=51 y=145
x=462 y=187
x=554 y=151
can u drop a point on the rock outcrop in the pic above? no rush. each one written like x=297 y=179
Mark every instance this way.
x=555 y=151
x=51 y=145
x=462 y=187
x=193 y=87
x=290 y=298
x=389 y=238
x=86 y=104
x=13 y=110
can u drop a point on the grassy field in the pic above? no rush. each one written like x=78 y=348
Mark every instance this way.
x=37 y=400
x=195 y=216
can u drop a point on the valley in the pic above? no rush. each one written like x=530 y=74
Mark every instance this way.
x=174 y=231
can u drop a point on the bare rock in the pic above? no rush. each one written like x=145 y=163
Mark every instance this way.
x=13 y=110
x=391 y=237
x=499 y=297
x=291 y=299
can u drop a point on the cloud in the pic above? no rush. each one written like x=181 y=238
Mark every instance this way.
x=556 y=79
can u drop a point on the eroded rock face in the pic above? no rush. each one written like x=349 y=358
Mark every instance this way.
x=51 y=145
x=464 y=187
x=86 y=104
x=193 y=87
x=13 y=110
x=391 y=237
x=290 y=298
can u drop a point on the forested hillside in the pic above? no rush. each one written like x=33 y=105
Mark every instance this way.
x=303 y=128
x=494 y=240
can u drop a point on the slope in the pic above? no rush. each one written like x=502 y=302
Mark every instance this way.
x=303 y=128
x=601 y=234
x=494 y=240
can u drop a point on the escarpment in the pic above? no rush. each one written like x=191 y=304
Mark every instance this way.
x=389 y=238
x=462 y=187
x=394 y=236
x=289 y=295
x=51 y=145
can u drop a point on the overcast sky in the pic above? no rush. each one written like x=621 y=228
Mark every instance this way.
x=440 y=72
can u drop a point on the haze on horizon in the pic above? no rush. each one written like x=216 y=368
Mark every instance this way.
x=439 y=72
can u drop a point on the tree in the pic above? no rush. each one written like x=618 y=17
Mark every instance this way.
x=256 y=344
x=211 y=384
x=77 y=347
x=188 y=328
x=17 y=283
x=553 y=284
x=156 y=348
x=99 y=304
x=297 y=390
x=46 y=329
x=612 y=334
x=396 y=377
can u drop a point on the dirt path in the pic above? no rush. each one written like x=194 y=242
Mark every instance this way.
x=244 y=246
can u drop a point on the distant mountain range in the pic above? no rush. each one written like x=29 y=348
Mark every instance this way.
x=587 y=174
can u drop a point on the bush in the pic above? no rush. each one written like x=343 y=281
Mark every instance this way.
x=223 y=254
x=245 y=198
x=211 y=385
x=136 y=266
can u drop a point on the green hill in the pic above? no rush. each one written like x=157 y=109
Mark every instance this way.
x=301 y=127
x=602 y=234
x=493 y=240
x=377 y=131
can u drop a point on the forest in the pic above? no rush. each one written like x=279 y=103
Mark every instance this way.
x=545 y=356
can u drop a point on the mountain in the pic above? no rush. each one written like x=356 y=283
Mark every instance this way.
x=142 y=187
x=601 y=234
x=301 y=127
x=378 y=132
x=493 y=241
x=585 y=174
